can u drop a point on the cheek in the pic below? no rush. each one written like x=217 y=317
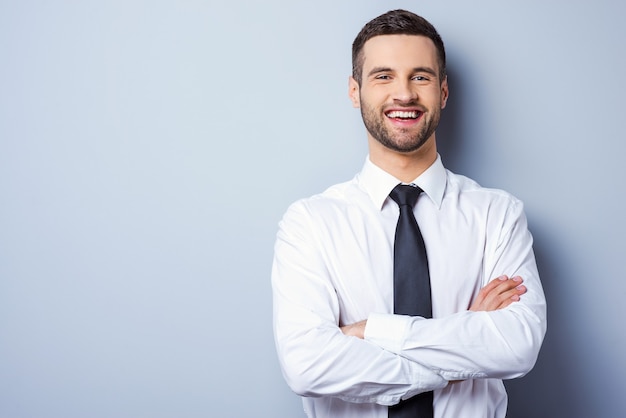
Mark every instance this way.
x=434 y=99
x=371 y=100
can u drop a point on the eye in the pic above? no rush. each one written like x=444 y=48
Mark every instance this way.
x=420 y=78
x=383 y=77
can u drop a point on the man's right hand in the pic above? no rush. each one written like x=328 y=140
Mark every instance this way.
x=498 y=294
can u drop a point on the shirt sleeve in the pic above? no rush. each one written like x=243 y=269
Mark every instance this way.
x=316 y=358
x=500 y=344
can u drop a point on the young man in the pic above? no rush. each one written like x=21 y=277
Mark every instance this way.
x=342 y=343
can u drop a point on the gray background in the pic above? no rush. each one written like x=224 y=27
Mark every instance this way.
x=149 y=148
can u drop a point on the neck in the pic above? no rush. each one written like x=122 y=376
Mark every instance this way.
x=406 y=167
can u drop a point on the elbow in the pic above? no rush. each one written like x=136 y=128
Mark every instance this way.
x=513 y=362
x=295 y=379
x=523 y=361
x=302 y=377
x=523 y=356
x=309 y=366
x=299 y=384
x=300 y=365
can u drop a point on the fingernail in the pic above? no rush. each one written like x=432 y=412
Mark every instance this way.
x=502 y=278
x=517 y=279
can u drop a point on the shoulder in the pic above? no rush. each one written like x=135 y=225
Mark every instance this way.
x=335 y=200
x=464 y=187
x=469 y=197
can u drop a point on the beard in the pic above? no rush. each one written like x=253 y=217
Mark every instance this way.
x=402 y=140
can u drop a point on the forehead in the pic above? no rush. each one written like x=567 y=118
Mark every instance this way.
x=399 y=51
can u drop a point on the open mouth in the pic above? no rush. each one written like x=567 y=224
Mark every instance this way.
x=403 y=114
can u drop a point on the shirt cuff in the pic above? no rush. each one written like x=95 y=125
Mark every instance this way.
x=388 y=331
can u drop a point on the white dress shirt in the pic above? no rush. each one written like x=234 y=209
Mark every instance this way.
x=333 y=266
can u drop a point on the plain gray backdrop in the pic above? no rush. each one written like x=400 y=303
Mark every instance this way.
x=149 y=148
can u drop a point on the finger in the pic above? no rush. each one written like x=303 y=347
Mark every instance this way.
x=490 y=287
x=505 y=286
x=500 y=285
x=498 y=281
x=510 y=296
x=494 y=295
x=500 y=293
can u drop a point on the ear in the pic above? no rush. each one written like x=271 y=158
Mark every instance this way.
x=354 y=92
x=445 y=92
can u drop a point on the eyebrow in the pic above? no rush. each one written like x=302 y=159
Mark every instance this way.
x=378 y=70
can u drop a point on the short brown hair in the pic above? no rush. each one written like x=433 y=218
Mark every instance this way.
x=396 y=22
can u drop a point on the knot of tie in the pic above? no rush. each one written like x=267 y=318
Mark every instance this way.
x=404 y=194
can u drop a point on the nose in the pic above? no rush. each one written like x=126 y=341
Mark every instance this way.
x=404 y=91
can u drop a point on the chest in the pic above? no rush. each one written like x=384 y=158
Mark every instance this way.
x=358 y=255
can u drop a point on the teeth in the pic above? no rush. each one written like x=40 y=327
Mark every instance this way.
x=402 y=115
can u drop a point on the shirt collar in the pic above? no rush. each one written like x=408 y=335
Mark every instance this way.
x=378 y=183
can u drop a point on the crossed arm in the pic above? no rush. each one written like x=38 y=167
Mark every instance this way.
x=314 y=372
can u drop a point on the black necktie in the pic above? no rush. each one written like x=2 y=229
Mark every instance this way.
x=411 y=285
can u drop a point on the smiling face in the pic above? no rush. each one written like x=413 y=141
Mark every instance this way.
x=401 y=94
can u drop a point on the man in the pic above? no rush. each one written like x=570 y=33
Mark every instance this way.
x=340 y=344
